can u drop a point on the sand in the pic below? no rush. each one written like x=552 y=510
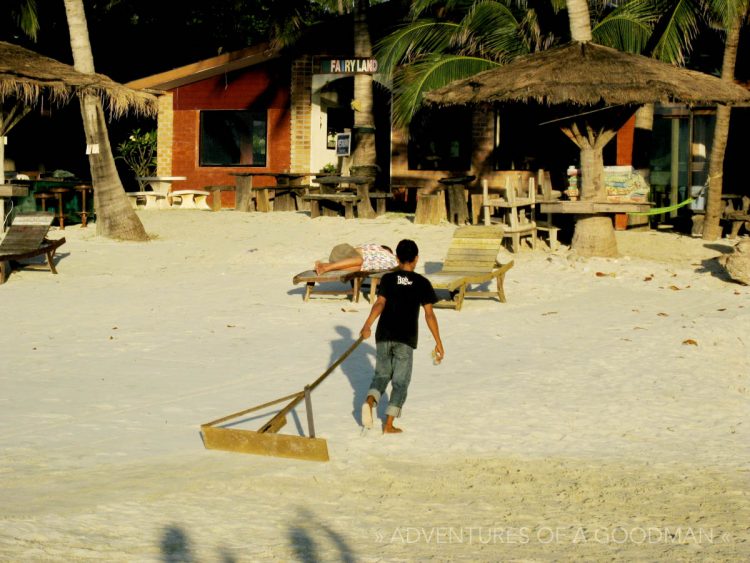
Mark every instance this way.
x=601 y=413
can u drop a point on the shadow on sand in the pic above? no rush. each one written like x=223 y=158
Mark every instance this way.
x=358 y=369
x=302 y=537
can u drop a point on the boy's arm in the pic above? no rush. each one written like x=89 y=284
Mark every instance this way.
x=432 y=324
x=377 y=308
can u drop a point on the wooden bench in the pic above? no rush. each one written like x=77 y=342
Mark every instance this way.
x=347 y=200
x=737 y=219
x=380 y=198
x=191 y=199
x=216 y=195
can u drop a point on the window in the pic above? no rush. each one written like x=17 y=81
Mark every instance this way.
x=233 y=138
x=440 y=139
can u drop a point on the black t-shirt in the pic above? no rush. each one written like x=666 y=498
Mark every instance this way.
x=404 y=293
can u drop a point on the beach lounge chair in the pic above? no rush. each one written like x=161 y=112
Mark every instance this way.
x=471 y=260
x=350 y=279
x=26 y=238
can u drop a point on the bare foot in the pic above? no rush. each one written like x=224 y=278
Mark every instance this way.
x=367 y=414
x=391 y=430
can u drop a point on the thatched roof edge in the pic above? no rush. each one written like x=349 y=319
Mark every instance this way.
x=28 y=76
x=589 y=74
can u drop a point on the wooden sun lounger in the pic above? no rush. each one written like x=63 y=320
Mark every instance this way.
x=471 y=260
x=26 y=238
x=351 y=277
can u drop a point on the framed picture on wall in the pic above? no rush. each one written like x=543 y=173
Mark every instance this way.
x=343 y=144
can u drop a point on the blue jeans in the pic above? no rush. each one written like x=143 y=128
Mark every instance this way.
x=392 y=364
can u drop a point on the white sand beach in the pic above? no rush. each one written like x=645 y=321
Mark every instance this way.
x=601 y=413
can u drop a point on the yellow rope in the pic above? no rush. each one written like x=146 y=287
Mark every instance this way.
x=660 y=210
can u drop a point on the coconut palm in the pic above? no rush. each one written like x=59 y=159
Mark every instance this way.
x=734 y=17
x=115 y=218
x=24 y=15
x=447 y=41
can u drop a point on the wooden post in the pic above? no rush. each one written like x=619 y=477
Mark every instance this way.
x=308 y=408
x=459 y=211
x=429 y=209
x=314 y=208
x=244 y=193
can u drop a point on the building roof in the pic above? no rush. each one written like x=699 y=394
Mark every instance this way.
x=206 y=68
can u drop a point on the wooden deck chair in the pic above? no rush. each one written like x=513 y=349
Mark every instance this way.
x=516 y=223
x=26 y=238
x=351 y=279
x=471 y=260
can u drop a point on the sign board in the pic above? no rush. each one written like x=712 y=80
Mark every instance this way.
x=343 y=144
x=348 y=66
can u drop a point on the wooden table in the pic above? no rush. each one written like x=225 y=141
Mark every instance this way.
x=458 y=209
x=594 y=208
x=338 y=189
x=286 y=182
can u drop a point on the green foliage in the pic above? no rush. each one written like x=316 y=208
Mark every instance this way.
x=138 y=152
x=451 y=39
x=329 y=169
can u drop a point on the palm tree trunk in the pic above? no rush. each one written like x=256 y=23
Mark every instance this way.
x=594 y=235
x=711 y=224
x=363 y=154
x=580 y=20
x=115 y=218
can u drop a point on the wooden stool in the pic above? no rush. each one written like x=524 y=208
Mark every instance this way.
x=82 y=189
x=60 y=211
x=42 y=198
x=430 y=208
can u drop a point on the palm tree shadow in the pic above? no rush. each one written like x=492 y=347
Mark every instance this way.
x=304 y=545
x=175 y=546
x=358 y=369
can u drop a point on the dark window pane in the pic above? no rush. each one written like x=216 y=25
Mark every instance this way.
x=233 y=138
x=440 y=139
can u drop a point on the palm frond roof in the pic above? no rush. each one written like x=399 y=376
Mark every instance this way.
x=589 y=74
x=27 y=75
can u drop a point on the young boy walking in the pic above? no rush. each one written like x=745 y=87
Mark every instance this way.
x=400 y=294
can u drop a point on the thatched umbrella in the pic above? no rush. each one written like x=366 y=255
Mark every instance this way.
x=597 y=78
x=26 y=76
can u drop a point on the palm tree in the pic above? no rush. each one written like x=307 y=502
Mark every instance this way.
x=115 y=218
x=442 y=44
x=734 y=20
x=24 y=14
x=363 y=155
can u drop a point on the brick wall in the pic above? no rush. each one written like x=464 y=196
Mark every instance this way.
x=301 y=106
x=263 y=87
x=165 y=135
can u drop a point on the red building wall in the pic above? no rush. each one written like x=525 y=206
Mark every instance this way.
x=260 y=87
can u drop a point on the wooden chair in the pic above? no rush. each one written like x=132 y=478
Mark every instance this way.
x=543 y=189
x=471 y=260
x=26 y=238
x=516 y=223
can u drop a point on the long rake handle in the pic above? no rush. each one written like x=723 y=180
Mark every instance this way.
x=251 y=409
x=280 y=419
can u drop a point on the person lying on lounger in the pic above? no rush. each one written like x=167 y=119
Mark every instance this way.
x=366 y=257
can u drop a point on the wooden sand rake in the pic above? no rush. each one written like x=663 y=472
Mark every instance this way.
x=266 y=441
